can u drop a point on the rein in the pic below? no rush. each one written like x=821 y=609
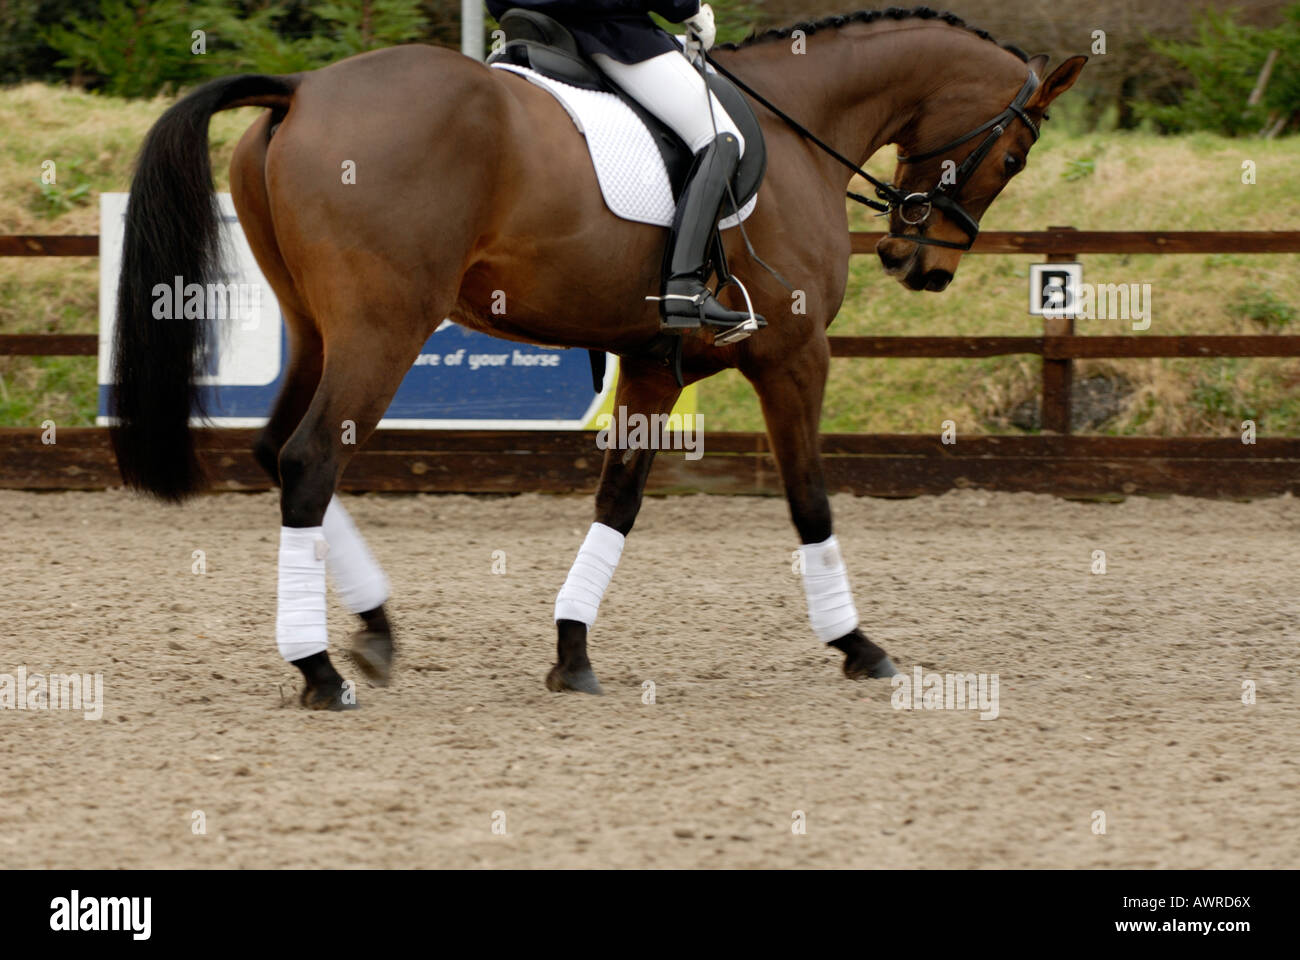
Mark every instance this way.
x=915 y=208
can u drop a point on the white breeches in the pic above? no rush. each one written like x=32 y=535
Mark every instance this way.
x=673 y=90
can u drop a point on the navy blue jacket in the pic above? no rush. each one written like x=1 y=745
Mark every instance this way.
x=620 y=29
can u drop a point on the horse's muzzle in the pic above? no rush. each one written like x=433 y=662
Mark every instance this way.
x=932 y=280
x=903 y=262
x=895 y=264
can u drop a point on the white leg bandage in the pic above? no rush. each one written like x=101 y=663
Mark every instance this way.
x=589 y=577
x=300 y=613
x=826 y=582
x=359 y=580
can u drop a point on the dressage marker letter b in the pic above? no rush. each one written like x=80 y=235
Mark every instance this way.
x=1054 y=289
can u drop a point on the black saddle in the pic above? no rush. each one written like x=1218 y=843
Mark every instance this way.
x=541 y=43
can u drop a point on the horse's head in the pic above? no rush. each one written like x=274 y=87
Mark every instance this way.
x=954 y=159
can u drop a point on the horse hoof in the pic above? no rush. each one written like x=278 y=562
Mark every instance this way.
x=328 y=696
x=582 y=680
x=862 y=658
x=884 y=667
x=372 y=652
x=858 y=667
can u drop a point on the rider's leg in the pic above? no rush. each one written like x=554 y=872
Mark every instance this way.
x=670 y=88
x=673 y=90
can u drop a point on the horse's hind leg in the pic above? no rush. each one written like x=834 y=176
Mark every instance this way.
x=790 y=390
x=364 y=364
x=357 y=578
x=645 y=388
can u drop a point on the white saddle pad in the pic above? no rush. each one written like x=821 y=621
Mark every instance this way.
x=630 y=168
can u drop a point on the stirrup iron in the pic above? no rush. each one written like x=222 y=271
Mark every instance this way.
x=742 y=330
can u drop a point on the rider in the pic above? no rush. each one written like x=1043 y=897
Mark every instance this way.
x=647 y=63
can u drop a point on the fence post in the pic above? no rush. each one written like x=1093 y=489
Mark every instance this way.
x=471 y=28
x=1058 y=375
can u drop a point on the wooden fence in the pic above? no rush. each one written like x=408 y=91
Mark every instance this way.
x=738 y=463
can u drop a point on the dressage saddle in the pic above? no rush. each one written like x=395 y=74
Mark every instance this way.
x=541 y=43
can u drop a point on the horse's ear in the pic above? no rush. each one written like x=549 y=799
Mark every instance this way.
x=1038 y=64
x=1062 y=79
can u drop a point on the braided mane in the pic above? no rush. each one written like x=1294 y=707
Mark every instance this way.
x=871 y=16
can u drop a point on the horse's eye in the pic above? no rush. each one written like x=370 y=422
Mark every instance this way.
x=1012 y=163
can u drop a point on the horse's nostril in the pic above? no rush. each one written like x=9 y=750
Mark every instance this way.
x=891 y=263
x=937 y=280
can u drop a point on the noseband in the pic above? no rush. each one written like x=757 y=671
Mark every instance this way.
x=915 y=208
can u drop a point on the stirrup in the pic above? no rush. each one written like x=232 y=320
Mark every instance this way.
x=742 y=330
x=728 y=331
x=739 y=332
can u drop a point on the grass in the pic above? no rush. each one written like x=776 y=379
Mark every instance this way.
x=1116 y=181
x=91 y=141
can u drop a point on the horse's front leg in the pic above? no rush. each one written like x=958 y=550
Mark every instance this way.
x=644 y=388
x=790 y=389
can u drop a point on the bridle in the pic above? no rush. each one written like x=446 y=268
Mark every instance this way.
x=914 y=208
x=944 y=196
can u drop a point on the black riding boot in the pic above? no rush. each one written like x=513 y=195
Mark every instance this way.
x=687 y=301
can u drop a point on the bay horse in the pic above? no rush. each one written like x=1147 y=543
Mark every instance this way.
x=471 y=183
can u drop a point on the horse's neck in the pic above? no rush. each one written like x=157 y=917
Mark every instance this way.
x=856 y=90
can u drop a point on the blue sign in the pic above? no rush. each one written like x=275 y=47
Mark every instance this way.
x=462 y=379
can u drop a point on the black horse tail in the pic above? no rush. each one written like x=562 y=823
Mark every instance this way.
x=172 y=231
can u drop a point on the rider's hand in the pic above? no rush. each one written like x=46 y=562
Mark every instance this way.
x=700 y=30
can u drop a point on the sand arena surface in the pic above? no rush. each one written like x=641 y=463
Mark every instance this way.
x=1119 y=692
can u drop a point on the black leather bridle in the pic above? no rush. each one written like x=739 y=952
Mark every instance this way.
x=915 y=208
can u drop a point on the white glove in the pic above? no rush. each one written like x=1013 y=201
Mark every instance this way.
x=700 y=30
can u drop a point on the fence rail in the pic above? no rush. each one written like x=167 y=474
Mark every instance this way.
x=886 y=465
x=1054 y=240
x=1054 y=348
x=876 y=464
